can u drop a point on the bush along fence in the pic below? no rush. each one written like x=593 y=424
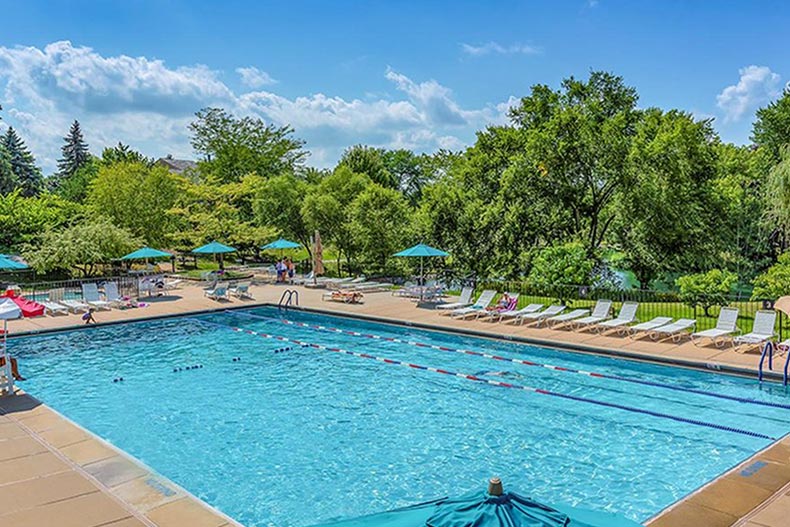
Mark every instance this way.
x=703 y=308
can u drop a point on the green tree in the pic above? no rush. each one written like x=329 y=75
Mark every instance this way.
x=75 y=187
x=137 y=197
x=706 y=289
x=82 y=247
x=23 y=164
x=367 y=160
x=23 y=219
x=778 y=197
x=775 y=282
x=279 y=204
x=771 y=128
x=122 y=153
x=74 y=153
x=233 y=147
x=564 y=264
x=379 y=225
x=8 y=180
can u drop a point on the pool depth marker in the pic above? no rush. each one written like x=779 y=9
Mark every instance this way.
x=492 y=382
x=522 y=362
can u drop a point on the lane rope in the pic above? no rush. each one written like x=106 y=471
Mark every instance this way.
x=522 y=362
x=491 y=382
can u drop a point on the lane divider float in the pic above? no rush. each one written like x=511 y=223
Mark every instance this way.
x=522 y=362
x=491 y=382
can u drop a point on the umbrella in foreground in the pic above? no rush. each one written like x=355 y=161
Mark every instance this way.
x=494 y=508
x=214 y=248
x=421 y=251
x=8 y=310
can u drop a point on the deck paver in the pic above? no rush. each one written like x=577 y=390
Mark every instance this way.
x=88 y=510
x=114 y=470
x=20 y=447
x=87 y=451
x=63 y=435
x=40 y=491
x=27 y=467
x=184 y=512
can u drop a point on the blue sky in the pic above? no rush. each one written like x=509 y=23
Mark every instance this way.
x=420 y=75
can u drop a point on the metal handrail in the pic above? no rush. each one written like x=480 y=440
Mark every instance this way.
x=288 y=296
x=768 y=350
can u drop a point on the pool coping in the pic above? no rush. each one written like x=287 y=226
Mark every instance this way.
x=687 y=506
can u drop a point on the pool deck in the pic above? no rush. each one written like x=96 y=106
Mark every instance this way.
x=54 y=473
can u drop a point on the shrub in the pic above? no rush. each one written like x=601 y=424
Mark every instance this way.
x=706 y=289
x=774 y=282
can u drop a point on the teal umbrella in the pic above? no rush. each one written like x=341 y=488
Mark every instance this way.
x=214 y=248
x=145 y=253
x=9 y=264
x=281 y=244
x=482 y=509
x=421 y=251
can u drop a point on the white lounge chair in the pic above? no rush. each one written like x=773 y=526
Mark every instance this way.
x=493 y=314
x=112 y=295
x=676 y=329
x=53 y=308
x=725 y=325
x=482 y=302
x=644 y=327
x=465 y=300
x=762 y=330
x=564 y=318
x=90 y=293
x=600 y=313
x=241 y=290
x=538 y=317
x=75 y=306
x=220 y=291
x=514 y=313
x=626 y=316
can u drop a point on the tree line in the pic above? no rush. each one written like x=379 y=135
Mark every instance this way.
x=581 y=182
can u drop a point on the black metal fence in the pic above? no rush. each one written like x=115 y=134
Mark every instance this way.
x=72 y=289
x=651 y=303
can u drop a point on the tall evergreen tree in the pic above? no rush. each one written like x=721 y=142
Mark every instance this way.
x=7 y=180
x=75 y=153
x=23 y=164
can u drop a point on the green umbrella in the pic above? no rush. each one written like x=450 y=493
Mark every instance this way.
x=214 y=248
x=482 y=509
x=421 y=251
x=145 y=253
x=9 y=264
x=281 y=244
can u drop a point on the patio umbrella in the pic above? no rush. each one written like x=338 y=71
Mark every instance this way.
x=318 y=257
x=487 y=509
x=9 y=264
x=422 y=251
x=214 y=248
x=145 y=253
x=280 y=244
x=8 y=311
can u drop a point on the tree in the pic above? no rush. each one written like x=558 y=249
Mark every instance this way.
x=564 y=264
x=74 y=155
x=380 y=225
x=771 y=128
x=82 y=246
x=137 y=197
x=775 y=282
x=233 y=147
x=367 y=160
x=75 y=187
x=122 y=153
x=279 y=203
x=578 y=138
x=23 y=219
x=706 y=289
x=8 y=180
x=778 y=196
x=23 y=164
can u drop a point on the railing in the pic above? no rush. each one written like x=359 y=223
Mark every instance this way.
x=651 y=303
x=288 y=298
x=768 y=352
x=65 y=289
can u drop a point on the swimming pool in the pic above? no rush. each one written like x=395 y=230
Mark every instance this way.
x=296 y=431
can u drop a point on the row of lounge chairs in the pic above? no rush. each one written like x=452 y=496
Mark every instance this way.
x=600 y=319
x=223 y=291
x=91 y=298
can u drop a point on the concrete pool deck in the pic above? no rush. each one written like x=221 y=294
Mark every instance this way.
x=52 y=472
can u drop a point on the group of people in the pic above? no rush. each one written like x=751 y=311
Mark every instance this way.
x=285 y=270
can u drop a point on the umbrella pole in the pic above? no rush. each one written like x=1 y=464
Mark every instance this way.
x=8 y=372
x=422 y=279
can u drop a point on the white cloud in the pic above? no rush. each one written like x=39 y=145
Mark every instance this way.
x=757 y=84
x=148 y=104
x=494 y=47
x=255 y=78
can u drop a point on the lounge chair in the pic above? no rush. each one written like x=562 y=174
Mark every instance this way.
x=565 y=318
x=339 y=283
x=482 y=302
x=627 y=315
x=600 y=313
x=241 y=290
x=514 y=313
x=220 y=291
x=112 y=295
x=676 y=329
x=173 y=284
x=53 y=308
x=762 y=330
x=493 y=313
x=90 y=293
x=464 y=301
x=539 y=316
x=644 y=327
x=725 y=325
x=75 y=306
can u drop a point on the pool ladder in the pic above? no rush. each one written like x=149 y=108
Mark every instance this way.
x=290 y=297
x=768 y=351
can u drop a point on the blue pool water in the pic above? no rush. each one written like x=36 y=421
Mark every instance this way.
x=305 y=435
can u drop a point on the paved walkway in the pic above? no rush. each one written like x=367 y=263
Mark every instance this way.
x=53 y=473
